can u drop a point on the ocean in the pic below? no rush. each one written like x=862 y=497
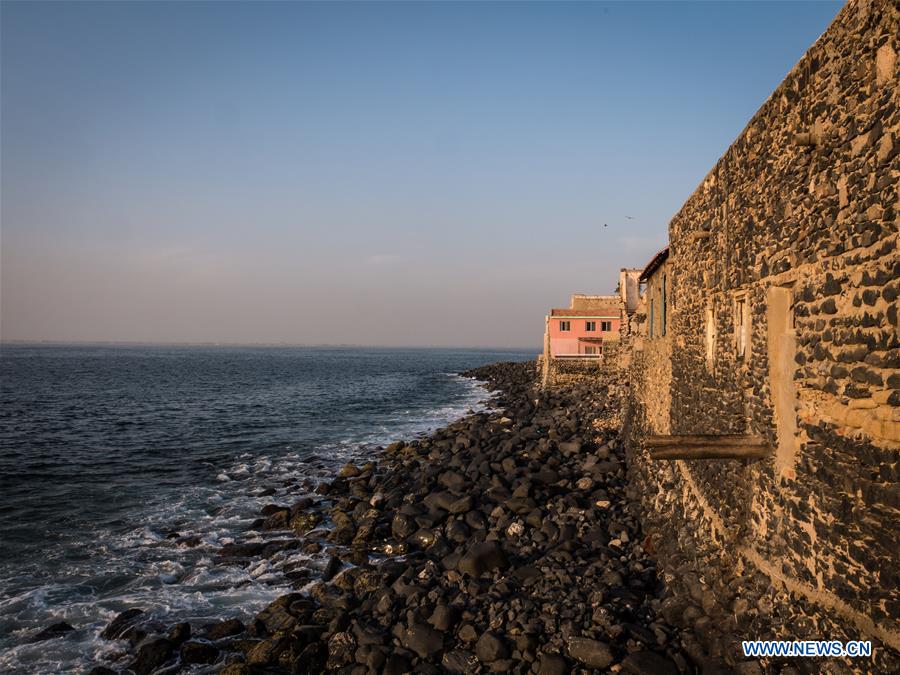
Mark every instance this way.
x=124 y=468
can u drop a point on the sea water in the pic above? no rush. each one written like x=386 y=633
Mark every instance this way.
x=123 y=469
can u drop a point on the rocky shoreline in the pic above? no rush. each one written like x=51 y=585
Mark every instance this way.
x=503 y=542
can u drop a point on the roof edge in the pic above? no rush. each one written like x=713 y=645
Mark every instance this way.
x=654 y=264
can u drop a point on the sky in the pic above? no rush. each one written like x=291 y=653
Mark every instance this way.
x=396 y=174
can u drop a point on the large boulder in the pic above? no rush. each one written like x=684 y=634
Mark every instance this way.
x=152 y=656
x=225 y=628
x=552 y=664
x=423 y=640
x=301 y=523
x=648 y=663
x=180 y=632
x=277 y=520
x=444 y=617
x=483 y=558
x=459 y=661
x=198 y=652
x=590 y=652
x=246 y=550
x=453 y=481
x=491 y=647
x=402 y=527
x=277 y=615
x=341 y=647
x=349 y=470
x=52 y=631
x=267 y=651
x=125 y=620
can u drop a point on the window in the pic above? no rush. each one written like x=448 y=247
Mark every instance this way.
x=606 y=325
x=662 y=317
x=590 y=350
x=565 y=325
x=590 y=326
x=651 y=318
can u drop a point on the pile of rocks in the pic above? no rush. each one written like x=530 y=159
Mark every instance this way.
x=501 y=543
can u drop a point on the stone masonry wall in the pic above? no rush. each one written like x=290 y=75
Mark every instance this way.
x=570 y=371
x=789 y=247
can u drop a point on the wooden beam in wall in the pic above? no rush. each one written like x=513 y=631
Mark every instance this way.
x=729 y=446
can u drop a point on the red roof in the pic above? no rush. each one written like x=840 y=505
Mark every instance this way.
x=654 y=264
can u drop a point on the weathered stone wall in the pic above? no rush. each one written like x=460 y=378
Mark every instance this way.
x=789 y=247
x=569 y=371
x=651 y=373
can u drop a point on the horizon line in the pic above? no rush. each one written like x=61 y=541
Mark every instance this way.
x=332 y=345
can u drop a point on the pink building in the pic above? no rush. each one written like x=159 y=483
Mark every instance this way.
x=581 y=329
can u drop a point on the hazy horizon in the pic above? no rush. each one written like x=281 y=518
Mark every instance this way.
x=299 y=345
x=365 y=174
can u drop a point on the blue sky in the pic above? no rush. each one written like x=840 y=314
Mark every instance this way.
x=374 y=173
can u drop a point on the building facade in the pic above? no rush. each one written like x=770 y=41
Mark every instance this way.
x=774 y=315
x=580 y=330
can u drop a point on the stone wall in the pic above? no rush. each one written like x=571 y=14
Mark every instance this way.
x=651 y=370
x=784 y=275
x=572 y=370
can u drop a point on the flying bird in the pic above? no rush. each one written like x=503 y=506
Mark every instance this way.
x=630 y=217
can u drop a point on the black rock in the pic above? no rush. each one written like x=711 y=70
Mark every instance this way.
x=180 y=632
x=590 y=652
x=302 y=522
x=278 y=520
x=459 y=661
x=225 y=628
x=152 y=655
x=552 y=664
x=277 y=616
x=476 y=520
x=242 y=550
x=332 y=568
x=117 y=627
x=310 y=660
x=272 y=509
x=468 y=633
x=482 y=558
x=648 y=663
x=52 y=631
x=645 y=635
x=341 y=649
x=452 y=481
x=397 y=664
x=423 y=640
x=443 y=617
x=402 y=527
x=490 y=647
x=527 y=575
x=461 y=505
x=198 y=652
